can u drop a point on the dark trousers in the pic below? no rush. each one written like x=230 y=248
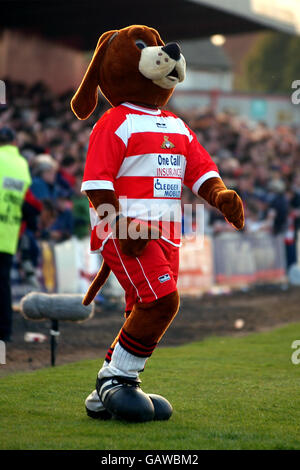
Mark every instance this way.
x=5 y=296
x=291 y=254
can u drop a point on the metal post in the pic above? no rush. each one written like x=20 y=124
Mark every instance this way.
x=54 y=332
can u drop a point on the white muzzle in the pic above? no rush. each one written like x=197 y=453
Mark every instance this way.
x=158 y=66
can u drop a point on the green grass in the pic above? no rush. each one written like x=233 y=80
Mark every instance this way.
x=227 y=393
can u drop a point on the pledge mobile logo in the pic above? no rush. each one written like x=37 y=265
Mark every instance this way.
x=167 y=187
x=2 y=353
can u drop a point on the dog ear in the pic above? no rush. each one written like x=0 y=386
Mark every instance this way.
x=160 y=42
x=85 y=99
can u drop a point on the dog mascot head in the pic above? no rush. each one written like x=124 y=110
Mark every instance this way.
x=131 y=64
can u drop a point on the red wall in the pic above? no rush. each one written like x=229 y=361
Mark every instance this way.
x=30 y=58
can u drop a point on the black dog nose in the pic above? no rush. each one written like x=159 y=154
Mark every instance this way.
x=173 y=50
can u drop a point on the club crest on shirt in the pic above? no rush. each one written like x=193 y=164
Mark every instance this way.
x=166 y=143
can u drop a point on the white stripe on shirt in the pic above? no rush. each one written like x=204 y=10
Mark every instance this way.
x=96 y=184
x=152 y=209
x=137 y=123
x=200 y=181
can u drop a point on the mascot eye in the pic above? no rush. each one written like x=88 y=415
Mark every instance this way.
x=140 y=44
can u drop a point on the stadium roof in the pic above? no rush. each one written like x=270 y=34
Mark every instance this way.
x=201 y=54
x=80 y=22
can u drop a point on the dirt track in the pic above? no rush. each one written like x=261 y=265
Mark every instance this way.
x=260 y=308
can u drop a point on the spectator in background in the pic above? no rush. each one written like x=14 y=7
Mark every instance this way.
x=46 y=220
x=63 y=226
x=68 y=169
x=28 y=250
x=258 y=218
x=66 y=179
x=253 y=223
x=81 y=211
x=278 y=206
x=14 y=182
x=249 y=155
x=44 y=171
x=246 y=187
x=290 y=238
x=294 y=199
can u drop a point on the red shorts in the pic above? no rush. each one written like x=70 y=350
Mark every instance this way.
x=147 y=277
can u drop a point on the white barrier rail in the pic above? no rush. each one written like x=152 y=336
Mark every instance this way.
x=230 y=259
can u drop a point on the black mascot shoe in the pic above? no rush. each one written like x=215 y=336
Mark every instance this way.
x=103 y=414
x=123 y=398
x=162 y=408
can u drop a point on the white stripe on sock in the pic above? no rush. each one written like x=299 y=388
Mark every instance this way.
x=123 y=364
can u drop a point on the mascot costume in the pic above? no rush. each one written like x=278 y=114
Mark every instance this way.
x=138 y=158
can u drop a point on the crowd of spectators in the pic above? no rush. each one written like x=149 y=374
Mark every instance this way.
x=262 y=164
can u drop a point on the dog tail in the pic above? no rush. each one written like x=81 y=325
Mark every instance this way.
x=97 y=283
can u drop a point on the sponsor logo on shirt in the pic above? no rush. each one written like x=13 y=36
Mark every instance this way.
x=167 y=187
x=166 y=143
x=161 y=125
x=171 y=172
x=169 y=165
x=164 y=278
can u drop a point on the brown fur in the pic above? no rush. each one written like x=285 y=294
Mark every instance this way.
x=226 y=200
x=154 y=318
x=148 y=322
x=97 y=283
x=97 y=197
x=114 y=69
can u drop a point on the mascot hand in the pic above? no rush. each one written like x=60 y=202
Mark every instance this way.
x=231 y=206
x=134 y=235
x=226 y=200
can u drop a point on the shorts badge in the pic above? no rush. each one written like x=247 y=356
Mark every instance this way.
x=164 y=278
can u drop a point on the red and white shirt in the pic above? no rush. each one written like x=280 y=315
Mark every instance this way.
x=145 y=156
